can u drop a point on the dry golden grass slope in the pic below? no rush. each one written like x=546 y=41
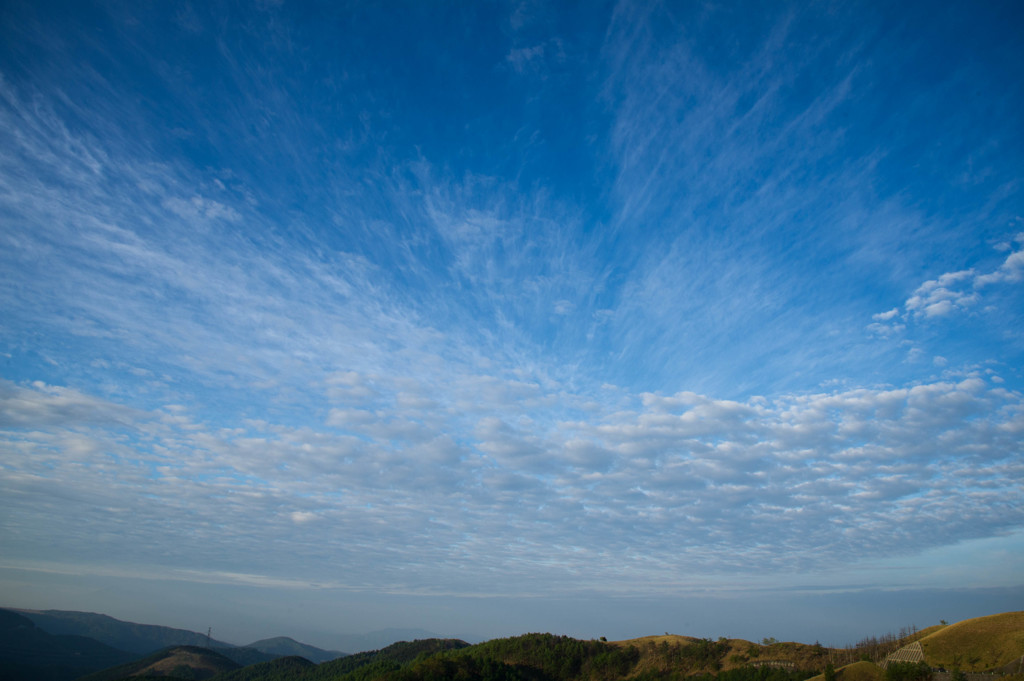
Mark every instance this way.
x=858 y=671
x=927 y=631
x=977 y=644
x=671 y=639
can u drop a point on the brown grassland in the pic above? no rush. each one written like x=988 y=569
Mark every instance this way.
x=200 y=661
x=664 y=654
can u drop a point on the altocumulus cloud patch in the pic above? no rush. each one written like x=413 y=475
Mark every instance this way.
x=684 y=482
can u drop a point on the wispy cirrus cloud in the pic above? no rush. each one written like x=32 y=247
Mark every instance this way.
x=716 y=173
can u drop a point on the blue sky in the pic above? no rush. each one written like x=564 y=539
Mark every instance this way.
x=604 y=319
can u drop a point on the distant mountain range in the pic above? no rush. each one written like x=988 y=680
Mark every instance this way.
x=148 y=638
x=61 y=645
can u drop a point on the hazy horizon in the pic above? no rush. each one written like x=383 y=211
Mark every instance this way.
x=604 y=319
x=245 y=617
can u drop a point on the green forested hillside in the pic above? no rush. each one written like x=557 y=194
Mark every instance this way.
x=282 y=669
x=558 y=657
x=379 y=663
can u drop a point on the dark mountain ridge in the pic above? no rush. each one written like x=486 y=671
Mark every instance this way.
x=147 y=638
x=128 y=636
x=143 y=639
x=28 y=652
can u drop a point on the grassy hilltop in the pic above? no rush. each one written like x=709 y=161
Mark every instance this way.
x=977 y=644
x=186 y=662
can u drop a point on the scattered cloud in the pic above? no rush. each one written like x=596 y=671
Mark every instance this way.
x=886 y=316
x=1011 y=271
x=951 y=293
x=939 y=297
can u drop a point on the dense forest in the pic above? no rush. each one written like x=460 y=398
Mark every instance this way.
x=533 y=657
